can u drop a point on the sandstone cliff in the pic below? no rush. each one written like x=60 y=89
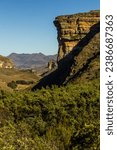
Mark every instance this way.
x=5 y=62
x=78 y=60
x=72 y=28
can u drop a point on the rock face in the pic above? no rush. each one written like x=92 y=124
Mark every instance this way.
x=6 y=63
x=72 y=28
x=79 y=50
x=51 y=64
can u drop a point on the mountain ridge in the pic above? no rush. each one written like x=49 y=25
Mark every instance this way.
x=29 y=61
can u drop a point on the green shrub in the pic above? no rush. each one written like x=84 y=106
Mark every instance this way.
x=61 y=118
x=24 y=82
x=12 y=84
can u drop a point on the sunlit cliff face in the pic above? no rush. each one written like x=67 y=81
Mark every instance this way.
x=72 y=28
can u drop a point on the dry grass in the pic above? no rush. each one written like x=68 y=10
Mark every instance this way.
x=8 y=75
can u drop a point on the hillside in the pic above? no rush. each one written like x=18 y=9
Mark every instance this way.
x=9 y=75
x=26 y=68
x=6 y=62
x=28 y=61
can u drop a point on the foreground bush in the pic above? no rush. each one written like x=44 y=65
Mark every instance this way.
x=65 y=118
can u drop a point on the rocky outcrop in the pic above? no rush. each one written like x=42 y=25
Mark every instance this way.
x=81 y=62
x=51 y=64
x=72 y=28
x=6 y=63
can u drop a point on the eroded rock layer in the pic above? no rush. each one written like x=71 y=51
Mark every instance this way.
x=72 y=28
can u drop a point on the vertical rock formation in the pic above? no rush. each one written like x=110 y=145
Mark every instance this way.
x=51 y=64
x=79 y=50
x=72 y=28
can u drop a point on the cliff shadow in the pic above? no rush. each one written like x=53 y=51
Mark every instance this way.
x=59 y=75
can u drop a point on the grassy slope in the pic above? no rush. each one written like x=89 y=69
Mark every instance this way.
x=5 y=59
x=8 y=75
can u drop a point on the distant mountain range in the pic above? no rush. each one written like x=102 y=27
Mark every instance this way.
x=34 y=60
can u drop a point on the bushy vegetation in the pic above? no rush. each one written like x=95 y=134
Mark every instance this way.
x=60 y=118
x=24 y=82
x=12 y=84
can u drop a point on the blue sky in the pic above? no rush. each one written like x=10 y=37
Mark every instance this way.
x=26 y=26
